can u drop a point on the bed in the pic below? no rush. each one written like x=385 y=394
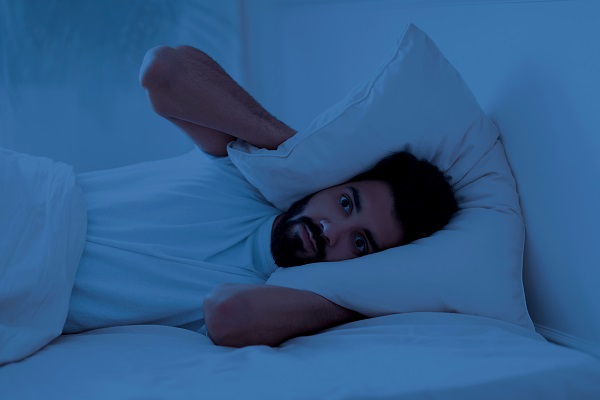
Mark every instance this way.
x=544 y=102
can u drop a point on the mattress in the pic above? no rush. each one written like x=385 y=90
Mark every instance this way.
x=404 y=356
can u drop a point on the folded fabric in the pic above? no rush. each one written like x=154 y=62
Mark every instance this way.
x=43 y=219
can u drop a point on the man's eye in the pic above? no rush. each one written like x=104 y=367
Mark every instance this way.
x=346 y=204
x=361 y=244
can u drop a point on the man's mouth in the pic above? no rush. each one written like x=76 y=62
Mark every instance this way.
x=310 y=245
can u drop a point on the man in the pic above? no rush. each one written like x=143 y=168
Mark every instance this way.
x=368 y=214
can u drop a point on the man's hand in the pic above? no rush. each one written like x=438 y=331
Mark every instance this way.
x=190 y=89
x=239 y=315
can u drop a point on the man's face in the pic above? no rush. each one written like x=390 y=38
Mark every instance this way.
x=339 y=223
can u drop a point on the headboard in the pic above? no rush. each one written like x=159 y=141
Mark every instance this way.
x=533 y=65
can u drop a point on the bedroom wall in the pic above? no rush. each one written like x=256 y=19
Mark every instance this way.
x=533 y=65
x=69 y=74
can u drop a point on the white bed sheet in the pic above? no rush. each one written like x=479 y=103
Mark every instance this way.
x=42 y=233
x=408 y=356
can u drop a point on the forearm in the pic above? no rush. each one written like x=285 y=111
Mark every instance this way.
x=242 y=315
x=185 y=84
x=208 y=140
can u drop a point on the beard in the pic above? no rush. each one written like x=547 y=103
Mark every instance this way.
x=287 y=247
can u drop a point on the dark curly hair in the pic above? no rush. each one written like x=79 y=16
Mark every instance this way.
x=424 y=201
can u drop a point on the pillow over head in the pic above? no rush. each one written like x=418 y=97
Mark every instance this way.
x=474 y=264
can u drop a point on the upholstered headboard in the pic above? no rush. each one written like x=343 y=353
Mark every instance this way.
x=533 y=65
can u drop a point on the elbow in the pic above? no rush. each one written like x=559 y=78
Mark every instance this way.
x=154 y=71
x=225 y=316
x=156 y=76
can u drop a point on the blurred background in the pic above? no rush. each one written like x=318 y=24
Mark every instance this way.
x=69 y=74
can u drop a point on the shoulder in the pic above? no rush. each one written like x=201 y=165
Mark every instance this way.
x=224 y=179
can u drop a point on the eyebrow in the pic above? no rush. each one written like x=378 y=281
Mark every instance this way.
x=356 y=197
x=358 y=205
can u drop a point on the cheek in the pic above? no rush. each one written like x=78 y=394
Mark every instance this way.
x=326 y=208
x=340 y=252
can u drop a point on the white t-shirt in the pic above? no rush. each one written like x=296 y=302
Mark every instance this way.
x=161 y=235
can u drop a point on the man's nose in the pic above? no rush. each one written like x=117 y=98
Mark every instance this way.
x=331 y=231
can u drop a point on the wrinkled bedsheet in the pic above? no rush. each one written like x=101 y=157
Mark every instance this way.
x=42 y=234
x=404 y=356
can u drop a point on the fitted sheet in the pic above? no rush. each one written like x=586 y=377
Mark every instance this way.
x=404 y=356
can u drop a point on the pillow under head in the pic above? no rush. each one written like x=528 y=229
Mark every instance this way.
x=415 y=99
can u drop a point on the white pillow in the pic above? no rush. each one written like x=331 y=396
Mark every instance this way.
x=473 y=265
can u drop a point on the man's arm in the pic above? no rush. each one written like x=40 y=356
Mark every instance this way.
x=239 y=315
x=190 y=89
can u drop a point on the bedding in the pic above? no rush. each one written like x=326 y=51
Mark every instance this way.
x=43 y=226
x=416 y=99
x=410 y=356
x=401 y=356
